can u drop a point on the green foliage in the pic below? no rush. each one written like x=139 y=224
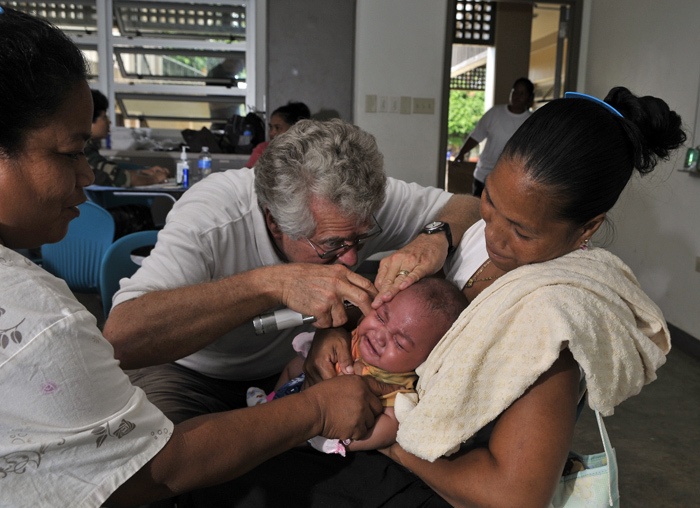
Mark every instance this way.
x=466 y=108
x=197 y=62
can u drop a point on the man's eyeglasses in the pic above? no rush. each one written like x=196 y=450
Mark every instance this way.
x=335 y=248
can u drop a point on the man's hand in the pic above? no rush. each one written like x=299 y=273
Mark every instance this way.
x=423 y=257
x=329 y=354
x=426 y=254
x=347 y=406
x=322 y=290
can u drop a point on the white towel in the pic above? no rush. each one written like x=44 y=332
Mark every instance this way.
x=513 y=332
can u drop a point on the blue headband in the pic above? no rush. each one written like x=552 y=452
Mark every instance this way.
x=577 y=95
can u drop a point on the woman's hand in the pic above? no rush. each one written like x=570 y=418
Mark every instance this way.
x=390 y=451
x=149 y=176
x=157 y=173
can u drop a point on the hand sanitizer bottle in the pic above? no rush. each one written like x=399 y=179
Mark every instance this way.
x=183 y=169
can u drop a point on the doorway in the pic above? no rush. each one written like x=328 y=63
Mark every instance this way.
x=474 y=87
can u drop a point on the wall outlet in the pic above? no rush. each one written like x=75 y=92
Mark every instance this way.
x=394 y=104
x=423 y=106
x=370 y=103
x=383 y=104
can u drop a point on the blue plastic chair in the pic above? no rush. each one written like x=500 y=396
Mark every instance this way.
x=77 y=258
x=117 y=263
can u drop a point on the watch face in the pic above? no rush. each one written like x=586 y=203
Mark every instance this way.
x=438 y=227
x=434 y=225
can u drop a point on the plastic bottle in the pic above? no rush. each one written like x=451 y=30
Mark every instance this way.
x=183 y=169
x=204 y=163
x=247 y=137
x=186 y=177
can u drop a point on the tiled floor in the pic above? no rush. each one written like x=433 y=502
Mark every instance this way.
x=656 y=435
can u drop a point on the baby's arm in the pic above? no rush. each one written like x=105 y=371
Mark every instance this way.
x=382 y=435
x=293 y=369
x=301 y=344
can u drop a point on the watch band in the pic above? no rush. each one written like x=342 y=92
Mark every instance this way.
x=439 y=227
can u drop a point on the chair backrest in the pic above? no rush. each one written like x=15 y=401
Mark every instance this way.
x=77 y=258
x=117 y=263
x=121 y=203
x=160 y=203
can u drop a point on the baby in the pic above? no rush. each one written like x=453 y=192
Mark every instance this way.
x=388 y=344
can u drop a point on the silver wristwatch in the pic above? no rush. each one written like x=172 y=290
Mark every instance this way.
x=438 y=227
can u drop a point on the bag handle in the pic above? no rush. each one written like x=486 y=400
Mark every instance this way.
x=613 y=492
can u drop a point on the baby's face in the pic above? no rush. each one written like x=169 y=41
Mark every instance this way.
x=399 y=335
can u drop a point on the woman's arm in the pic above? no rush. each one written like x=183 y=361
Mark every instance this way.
x=525 y=455
x=218 y=447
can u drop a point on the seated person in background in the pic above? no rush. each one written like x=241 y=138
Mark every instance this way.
x=109 y=173
x=281 y=120
x=389 y=345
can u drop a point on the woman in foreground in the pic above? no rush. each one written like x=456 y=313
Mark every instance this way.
x=73 y=430
x=548 y=311
x=550 y=316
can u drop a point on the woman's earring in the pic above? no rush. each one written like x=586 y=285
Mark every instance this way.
x=584 y=245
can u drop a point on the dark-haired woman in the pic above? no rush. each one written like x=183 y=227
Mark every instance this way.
x=550 y=316
x=107 y=172
x=281 y=120
x=73 y=430
x=549 y=312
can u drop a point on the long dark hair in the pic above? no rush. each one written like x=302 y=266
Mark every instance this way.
x=585 y=154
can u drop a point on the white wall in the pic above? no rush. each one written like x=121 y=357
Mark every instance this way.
x=651 y=47
x=399 y=48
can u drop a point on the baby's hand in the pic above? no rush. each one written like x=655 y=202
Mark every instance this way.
x=358 y=367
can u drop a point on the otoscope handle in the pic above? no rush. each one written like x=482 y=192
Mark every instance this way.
x=280 y=320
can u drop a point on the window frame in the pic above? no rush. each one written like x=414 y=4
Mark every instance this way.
x=100 y=34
